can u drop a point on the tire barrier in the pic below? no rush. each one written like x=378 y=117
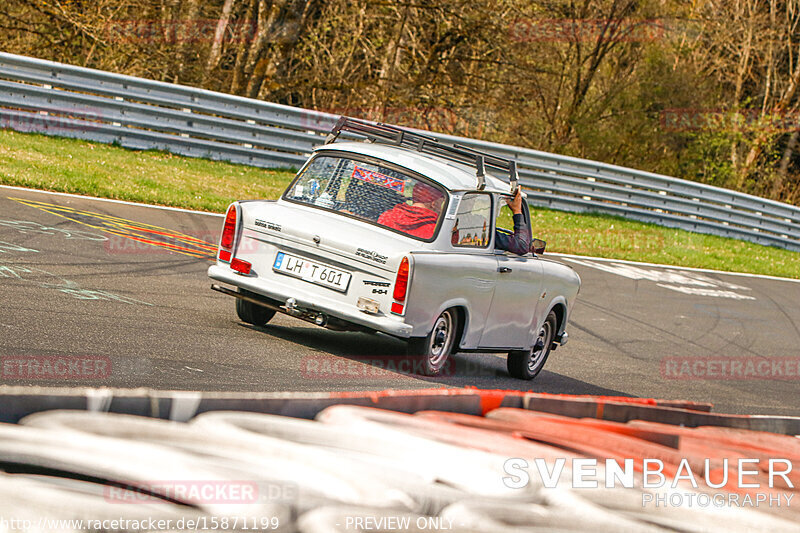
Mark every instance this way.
x=357 y=466
x=488 y=441
x=313 y=478
x=18 y=402
x=125 y=470
x=428 y=460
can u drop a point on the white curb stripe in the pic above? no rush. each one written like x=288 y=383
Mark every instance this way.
x=673 y=267
x=124 y=202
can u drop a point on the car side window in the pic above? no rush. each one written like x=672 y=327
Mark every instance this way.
x=504 y=216
x=473 y=225
x=504 y=219
x=506 y=240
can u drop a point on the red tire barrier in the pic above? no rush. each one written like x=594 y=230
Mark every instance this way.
x=656 y=411
x=612 y=440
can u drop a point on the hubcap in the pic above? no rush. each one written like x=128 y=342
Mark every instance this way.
x=441 y=338
x=540 y=347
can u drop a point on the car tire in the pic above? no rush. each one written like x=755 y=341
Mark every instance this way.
x=431 y=353
x=255 y=314
x=526 y=364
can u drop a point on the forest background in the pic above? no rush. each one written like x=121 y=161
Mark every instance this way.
x=701 y=90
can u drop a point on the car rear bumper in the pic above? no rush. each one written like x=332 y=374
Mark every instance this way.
x=313 y=301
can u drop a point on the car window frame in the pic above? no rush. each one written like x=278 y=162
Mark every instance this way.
x=490 y=246
x=375 y=161
x=526 y=216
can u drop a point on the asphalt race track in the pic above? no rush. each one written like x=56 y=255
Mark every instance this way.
x=124 y=287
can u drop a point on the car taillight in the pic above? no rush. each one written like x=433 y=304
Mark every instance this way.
x=242 y=267
x=401 y=283
x=228 y=234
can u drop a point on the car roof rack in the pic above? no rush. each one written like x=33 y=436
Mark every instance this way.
x=389 y=134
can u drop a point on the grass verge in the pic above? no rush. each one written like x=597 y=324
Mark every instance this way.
x=68 y=165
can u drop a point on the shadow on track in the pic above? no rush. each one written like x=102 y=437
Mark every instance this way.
x=387 y=357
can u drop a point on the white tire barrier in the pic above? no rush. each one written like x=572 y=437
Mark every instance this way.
x=472 y=471
x=281 y=470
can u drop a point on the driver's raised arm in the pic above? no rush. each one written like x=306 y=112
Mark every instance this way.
x=520 y=241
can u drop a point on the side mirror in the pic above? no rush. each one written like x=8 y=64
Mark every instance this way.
x=538 y=246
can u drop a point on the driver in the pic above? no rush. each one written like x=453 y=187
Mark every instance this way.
x=518 y=242
x=419 y=218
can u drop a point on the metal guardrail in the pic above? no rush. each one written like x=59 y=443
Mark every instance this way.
x=53 y=98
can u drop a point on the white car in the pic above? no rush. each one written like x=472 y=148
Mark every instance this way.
x=397 y=235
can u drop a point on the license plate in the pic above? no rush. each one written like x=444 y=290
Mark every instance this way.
x=312 y=272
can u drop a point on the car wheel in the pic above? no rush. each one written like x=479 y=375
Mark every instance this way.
x=526 y=364
x=258 y=315
x=433 y=351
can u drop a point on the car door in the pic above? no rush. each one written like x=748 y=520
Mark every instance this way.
x=516 y=295
x=474 y=268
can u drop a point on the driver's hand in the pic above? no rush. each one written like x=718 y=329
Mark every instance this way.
x=515 y=203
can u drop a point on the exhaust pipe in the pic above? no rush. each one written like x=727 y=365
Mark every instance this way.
x=290 y=308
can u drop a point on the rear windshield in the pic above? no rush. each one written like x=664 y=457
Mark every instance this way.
x=371 y=192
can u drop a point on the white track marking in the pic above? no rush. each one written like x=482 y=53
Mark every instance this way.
x=673 y=267
x=124 y=202
x=697 y=291
x=668 y=275
x=6 y=247
x=686 y=282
